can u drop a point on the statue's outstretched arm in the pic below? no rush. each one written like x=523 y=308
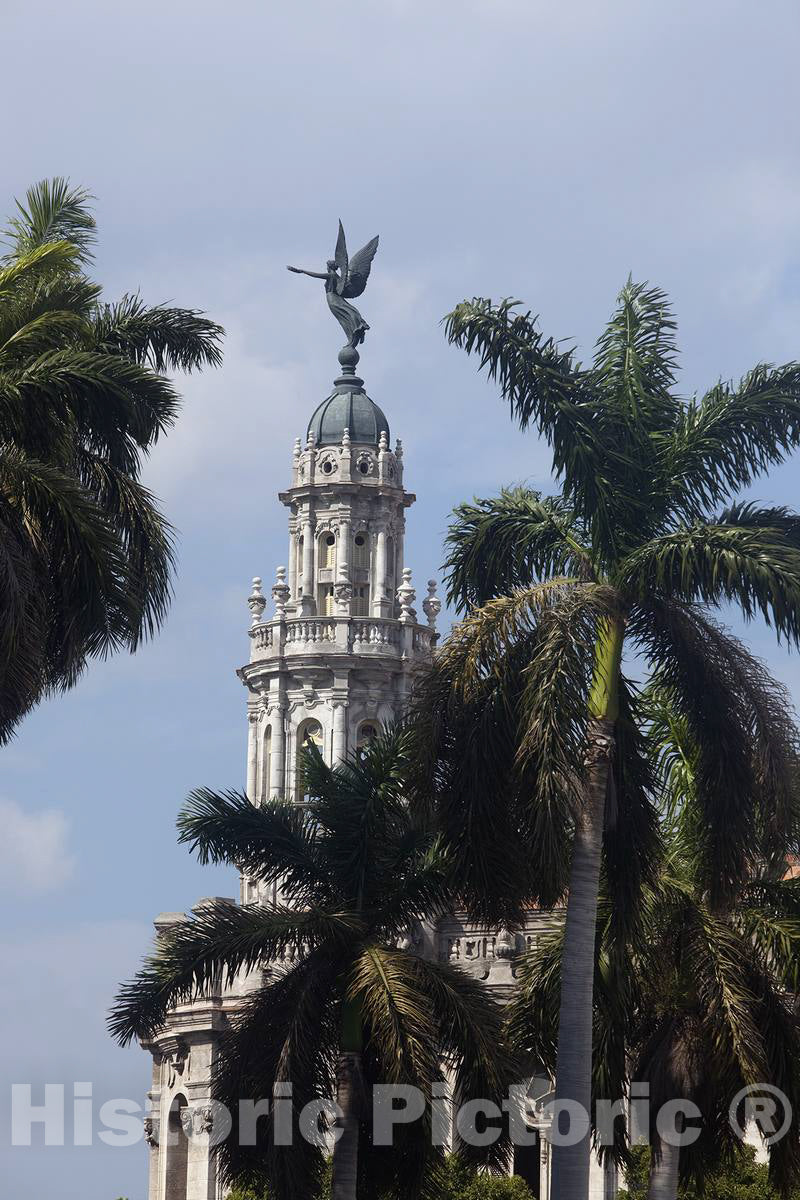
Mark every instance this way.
x=313 y=274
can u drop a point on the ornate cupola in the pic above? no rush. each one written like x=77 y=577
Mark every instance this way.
x=335 y=659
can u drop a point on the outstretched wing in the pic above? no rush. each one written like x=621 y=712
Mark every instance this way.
x=358 y=274
x=340 y=255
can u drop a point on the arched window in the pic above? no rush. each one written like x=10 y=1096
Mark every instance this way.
x=367 y=732
x=299 y=559
x=327 y=552
x=361 y=552
x=309 y=733
x=177 y=1147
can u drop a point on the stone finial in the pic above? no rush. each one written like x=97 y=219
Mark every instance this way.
x=311 y=440
x=398 y=452
x=505 y=945
x=383 y=443
x=406 y=595
x=298 y=449
x=256 y=601
x=280 y=592
x=432 y=605
x=346 y=437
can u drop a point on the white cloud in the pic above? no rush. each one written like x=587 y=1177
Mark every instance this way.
x=34 y=851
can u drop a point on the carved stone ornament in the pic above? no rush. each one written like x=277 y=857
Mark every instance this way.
x=197 y=1120
x=256 y=601
x=280 y=592
x=177 y=1063
x=150 y=1127
x=505 y=945
x=365 y=463
x=328 y=464
x=432 y=605
x=406 y=595
x=342 y=594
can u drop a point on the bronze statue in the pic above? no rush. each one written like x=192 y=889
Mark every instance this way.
x=343 y=279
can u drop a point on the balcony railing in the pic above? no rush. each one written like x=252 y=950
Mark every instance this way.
x=370 y=636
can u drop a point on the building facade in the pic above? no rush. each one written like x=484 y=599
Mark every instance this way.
x=332 y=661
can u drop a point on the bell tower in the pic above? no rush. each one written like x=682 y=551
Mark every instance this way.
x=335 y=659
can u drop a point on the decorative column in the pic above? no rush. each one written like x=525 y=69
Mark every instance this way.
x=343 y=550
x=292 y=562
x=380 y=607
x=252 y=756
x=277 y=746
x=339 y=731
x=307 y=605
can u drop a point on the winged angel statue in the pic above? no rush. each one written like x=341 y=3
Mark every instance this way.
x=345 y=278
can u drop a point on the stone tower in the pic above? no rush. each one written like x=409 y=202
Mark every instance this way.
x=331 y=663
x=335 y=661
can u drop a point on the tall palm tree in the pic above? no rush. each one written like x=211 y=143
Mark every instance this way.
x=347 y=1001
x=702 y=1003
x=85 y=553
x=527 y=715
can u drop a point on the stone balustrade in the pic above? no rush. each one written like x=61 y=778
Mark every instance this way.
x=371 y=636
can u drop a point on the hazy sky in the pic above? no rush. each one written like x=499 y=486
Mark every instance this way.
x=499 y=147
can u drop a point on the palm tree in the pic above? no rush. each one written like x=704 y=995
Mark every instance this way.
x=703 y=1001
x=85 y=553
x=347 y=1001
x=528 y=717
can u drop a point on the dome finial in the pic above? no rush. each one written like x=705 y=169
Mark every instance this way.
x=348 y=381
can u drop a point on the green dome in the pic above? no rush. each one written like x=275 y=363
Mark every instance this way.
x=351 y=410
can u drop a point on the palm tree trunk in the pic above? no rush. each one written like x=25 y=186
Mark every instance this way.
x=663 y=1183
x=570 y=1180
x=349 y=1092
x=345 y=1150
x=570 y=1177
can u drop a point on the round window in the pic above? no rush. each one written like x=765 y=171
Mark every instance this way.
x=363 y=467
x=327 y=467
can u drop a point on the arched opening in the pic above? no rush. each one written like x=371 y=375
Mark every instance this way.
x=177 y=1152
x=367 y=732
x=361 y=552
x=327 y=552
x=309 y=733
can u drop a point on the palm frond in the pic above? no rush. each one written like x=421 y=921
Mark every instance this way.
x=269 y=1044
x=739 y=721
x=209 y=950
x=731 y=436
x=53 y=211
x=272 y=841
x=755 y=567
x=161 y=336
x=498 y=545
x=635 y=360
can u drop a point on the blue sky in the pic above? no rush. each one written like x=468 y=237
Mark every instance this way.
x=500 y=147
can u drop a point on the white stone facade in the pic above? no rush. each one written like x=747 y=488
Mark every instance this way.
x=333 y=661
